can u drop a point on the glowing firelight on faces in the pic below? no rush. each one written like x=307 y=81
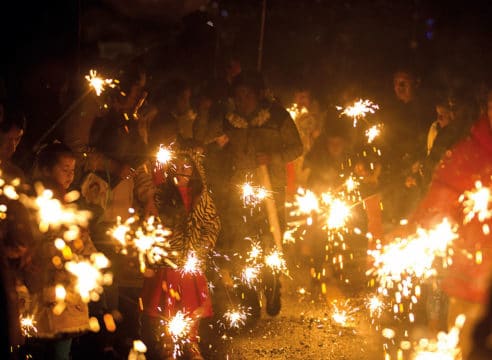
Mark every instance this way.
x=98 y=83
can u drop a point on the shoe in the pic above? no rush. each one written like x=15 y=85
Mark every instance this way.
x=272 y=293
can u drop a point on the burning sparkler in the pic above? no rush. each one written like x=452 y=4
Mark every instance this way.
x=372 y=133
x=253 y=195
x=28 y=325
x=191 y=265
x=375 y=306
x=359 y=110
x=250 y=274
x=343 y=314
x=164 y=155
x=476 y=203
x=237 y=317
x=149 y=239
x=295 y=111
x=445 y=347
x=275 y=260
x=338 y=214
x=179 y=327
x=97 y=83
x=89 y=277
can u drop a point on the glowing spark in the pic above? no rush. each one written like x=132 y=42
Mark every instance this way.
x=236 y=318
x=338 y=215
x=28 y=326
x=445 y=347
x=307 y=202
x=192 y=264
x=343 y=314
x=351 y=184
x=253 y=195
x=164 y=155
x=295 y=111
x=476 y=203
x=149 y=239
x=250 y=274
x=255 y=253
x=98 y=83
x=276 y=262
x=375 y=306
x=372 y=133
x=359 y=110
x=179 y=326
x=89 y=278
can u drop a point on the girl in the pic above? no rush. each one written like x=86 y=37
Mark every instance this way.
x=55 y=165
x=186 y=207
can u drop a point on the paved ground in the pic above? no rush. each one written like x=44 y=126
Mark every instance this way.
x=305 y=329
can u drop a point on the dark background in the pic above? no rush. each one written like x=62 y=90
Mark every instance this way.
x=49 y=45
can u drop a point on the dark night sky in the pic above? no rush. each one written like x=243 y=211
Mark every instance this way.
x=356 y=39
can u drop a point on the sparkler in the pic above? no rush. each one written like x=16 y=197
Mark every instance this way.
x=372 y=133
x=359 y=109
x=149 y=239
x=375 y=306
x=255 y=253
x=253 y=195
x=250 y=275
x=191 y=265
x=28 y=326
x=179 y=327
x=445 y=347
x=276 y=261
x=295 y=111
x=164 y=155
x=343 y=313
x=89 y=278
x=97 y=83
x=237 y=317
x=476 y=203
x=338 y=214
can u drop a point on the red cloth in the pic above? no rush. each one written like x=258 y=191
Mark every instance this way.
x=186 y=196
x=170 y=291
x=468 y=162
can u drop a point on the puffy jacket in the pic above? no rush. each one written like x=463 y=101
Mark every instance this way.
x=467 y=162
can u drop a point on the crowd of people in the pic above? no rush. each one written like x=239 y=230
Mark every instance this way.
x=430 y=150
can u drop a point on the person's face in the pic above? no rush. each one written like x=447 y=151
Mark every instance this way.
x=246 y=100
x=9 y=142
x=183 y=170
x=233 y=70
x=302 y=99
x=404 y=86
x=335 y=146
x=63 y=172
x=444 y=116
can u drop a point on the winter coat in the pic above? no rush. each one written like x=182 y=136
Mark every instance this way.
x=270 y=131
x=467 y=162
x=42 y=276
x=194 y=231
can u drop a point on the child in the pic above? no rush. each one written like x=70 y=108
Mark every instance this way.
x=54 y=167
x=186 y=207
